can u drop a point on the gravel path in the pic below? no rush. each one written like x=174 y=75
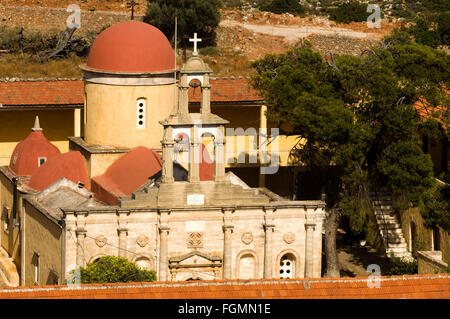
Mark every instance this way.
x=292 y=34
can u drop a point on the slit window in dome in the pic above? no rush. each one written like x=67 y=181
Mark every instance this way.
x=41 y=160
x=140 y=113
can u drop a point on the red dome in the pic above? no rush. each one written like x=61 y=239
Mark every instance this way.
x=132 y=46
x=25 y=157
x=69 y=165
x=126 y=174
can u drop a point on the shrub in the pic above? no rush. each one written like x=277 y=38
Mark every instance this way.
x=109 y=269
x=211 y=51
x=348 y=12
x=403 y=267
x=281 y=6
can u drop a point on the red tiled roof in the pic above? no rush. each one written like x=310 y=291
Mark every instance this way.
x=397 y=287
x=126 y=174
x=66 y=92
x=69 y=92
x=26 y=154
x=70 y=165
x=228 y=90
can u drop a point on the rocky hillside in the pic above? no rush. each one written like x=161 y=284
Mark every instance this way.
x=244 y=35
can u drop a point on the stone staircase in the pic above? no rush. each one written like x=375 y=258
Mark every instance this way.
x=389 y=226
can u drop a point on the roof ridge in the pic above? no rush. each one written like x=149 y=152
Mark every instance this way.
x=220 y=282
x=7 y=79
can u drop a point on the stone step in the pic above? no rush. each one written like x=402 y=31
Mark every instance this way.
x=392 y=227
x=396 y=250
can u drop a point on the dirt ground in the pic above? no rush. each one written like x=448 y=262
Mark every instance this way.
x=102 y=5
x=354 y=258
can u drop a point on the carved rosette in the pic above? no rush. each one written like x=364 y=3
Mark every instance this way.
x=247 y=238
x=142 y=241
x=289 y=238
x=101 y=241
x=195 y=240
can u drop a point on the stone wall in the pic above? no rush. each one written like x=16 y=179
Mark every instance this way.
x=340 y=44
x=430 y=262
x=40 y=18
x=424 y=234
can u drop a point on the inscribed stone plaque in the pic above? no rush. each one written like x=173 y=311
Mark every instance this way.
x=195 y=226
x=196 y=199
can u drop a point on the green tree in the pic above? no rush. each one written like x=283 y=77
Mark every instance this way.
x=194 y=16
x=356 y=115
x=347 y=12
x=281 y=6
x=423 y=32
x=109 y=269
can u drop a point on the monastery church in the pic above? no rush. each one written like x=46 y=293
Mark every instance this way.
x=147 y=181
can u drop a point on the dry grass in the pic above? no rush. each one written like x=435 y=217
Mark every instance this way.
x=26 y=66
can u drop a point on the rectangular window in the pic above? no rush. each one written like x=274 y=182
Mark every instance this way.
x=36 y=268
x=5 y=213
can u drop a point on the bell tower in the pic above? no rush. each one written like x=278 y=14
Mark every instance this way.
x=194 y=73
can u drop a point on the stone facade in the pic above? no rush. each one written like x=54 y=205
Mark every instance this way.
x=217 y=250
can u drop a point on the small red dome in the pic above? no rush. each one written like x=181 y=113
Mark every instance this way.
x=132 y=46
x=126 y=174
x=69 y=165
x=25 y=157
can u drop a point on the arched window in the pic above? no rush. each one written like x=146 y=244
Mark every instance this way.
x=287 y=266
x=144 y=263
x=140 y=113
x=247 y=266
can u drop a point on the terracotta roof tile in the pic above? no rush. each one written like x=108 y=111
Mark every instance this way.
x=71 y=92
x=65 y=92
x=410 y=287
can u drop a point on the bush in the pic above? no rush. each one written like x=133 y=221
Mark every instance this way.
x=403 y=267
x=232 y=3
x=349 y=12
x=211 y=51
x=281 y=6
x=109 y=269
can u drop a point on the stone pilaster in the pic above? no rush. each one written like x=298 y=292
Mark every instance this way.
x=227 y=243
x=219 y=158
x=183 y=103
x=310 y=226
x=205 y=105
x=163 y=253
x=81 y=235
x=167 y=157
x=268 y=245
x=163 y=245
x=194 y=156
x=122 y=231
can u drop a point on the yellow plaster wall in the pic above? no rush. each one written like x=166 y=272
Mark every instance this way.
x=246 y=117
x=98 y=163
x=111 y=114
x=44 y=237
x=9 y=240
x=16 y=125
